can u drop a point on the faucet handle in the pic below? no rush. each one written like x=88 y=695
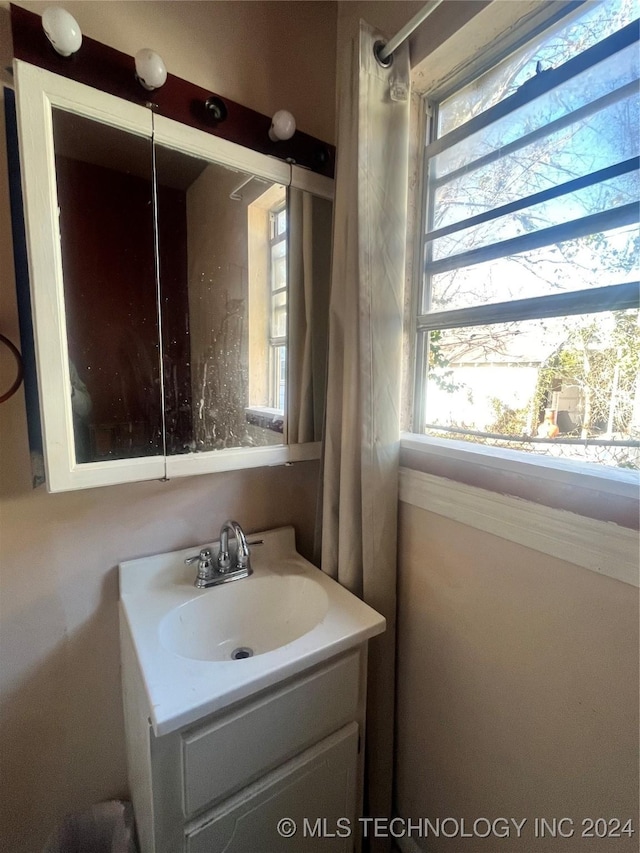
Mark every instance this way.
x=203 y=557
x=205 y=567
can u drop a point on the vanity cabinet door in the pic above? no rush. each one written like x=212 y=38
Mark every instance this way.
x=314 y=790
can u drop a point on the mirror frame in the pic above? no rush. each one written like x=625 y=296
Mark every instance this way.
x=38 y=93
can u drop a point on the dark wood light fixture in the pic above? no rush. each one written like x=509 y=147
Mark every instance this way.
x=102 y=67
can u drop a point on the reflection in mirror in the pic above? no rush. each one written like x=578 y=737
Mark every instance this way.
x=310 y=229
x=224 y=304
x=107 y=242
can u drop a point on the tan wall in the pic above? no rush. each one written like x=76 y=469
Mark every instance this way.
x=517 y=690
x=62 y=742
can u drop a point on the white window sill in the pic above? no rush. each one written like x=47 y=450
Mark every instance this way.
x=583 y=514
x=595 y=492
x=601 y=478
x=265 y=412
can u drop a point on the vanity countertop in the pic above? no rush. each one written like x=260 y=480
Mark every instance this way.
x=290 y=613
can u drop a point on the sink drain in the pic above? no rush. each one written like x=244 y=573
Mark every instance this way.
x=241 y=653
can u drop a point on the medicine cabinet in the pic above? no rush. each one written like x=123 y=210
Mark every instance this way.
x=179 y=291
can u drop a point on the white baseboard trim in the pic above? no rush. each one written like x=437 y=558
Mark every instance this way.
x=599 y=546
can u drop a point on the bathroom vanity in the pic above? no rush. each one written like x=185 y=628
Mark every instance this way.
x=244 y=704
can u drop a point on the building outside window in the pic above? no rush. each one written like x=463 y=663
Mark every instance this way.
x=528 y=330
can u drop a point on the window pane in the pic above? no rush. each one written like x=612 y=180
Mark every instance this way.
x=281 y=373
x=569 y=38
x=279 y=300
x=597 y=260
x=567 y=378
x=279 y=316
x=604 y=140
x=566 y=156
x=599 y=139
x=278 y=376
x=607 y=195
x=279 y=265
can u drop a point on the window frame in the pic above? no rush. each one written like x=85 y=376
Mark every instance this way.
x=277 y=343
x=419 y=323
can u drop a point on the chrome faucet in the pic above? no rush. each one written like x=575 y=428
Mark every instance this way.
x=224 y=571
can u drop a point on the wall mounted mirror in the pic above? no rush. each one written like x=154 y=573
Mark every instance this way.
x=222 y=240
x=180 y=297
x=105 y=197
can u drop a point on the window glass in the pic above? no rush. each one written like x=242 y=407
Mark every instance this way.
x=544 y=385
x=597 y=198
x=592 y=23
x=279 y=300
x=596 y=260
x=601 y=98
x=539 y=205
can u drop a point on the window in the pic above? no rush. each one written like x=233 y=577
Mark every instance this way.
x=267 y=334
x=528 y=329
x=278 y=307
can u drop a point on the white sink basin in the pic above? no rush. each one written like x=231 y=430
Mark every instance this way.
x=284 y=618
x=245 y=618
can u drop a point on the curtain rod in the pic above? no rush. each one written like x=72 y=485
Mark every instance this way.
x=386 y=50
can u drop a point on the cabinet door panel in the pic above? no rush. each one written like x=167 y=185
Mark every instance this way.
x=162 y=300
x=223 y=263
x=315 y=790
x=92 y=280
x=105 y=197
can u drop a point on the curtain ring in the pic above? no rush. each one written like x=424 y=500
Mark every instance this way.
x=377 y=50
x=16 y=384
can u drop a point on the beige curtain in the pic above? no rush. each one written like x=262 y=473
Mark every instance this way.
x=310 y=219
x=360 y=462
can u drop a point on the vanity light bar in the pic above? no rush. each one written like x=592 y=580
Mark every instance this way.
x=104 y=68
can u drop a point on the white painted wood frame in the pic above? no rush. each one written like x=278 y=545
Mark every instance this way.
x=222 y=152
x=39 y=92
x=196 y=143
x=311 y=182
x=600 y=546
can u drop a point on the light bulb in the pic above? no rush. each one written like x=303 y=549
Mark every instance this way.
x=62 y=30
x=283 y=126
x=150 y=69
